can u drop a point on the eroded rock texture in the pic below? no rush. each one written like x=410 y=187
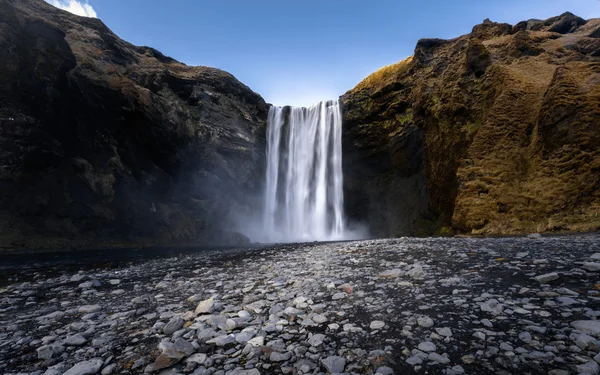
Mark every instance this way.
x=493 y=132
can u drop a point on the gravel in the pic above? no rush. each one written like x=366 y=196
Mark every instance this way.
x=398 y=306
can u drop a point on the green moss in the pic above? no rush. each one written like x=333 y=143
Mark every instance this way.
x=401 y=122
x=472 y=128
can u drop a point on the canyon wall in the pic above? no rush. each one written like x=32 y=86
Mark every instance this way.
x=494 y=132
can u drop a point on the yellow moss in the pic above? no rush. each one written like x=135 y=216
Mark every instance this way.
x=512 y=151
x=382 y=76
x=472 y=128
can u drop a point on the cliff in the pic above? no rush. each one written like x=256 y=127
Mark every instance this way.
x=494 y=132
x=103 y=142
x=107 y=143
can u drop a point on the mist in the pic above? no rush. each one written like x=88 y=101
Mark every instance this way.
x=300 y=198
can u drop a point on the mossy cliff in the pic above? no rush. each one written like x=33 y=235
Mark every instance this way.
x=494 y=132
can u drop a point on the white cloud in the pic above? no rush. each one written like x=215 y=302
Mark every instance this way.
x=80 y=8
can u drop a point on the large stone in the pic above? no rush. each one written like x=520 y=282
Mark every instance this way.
x=239 y=371
x=392 y=273
x=445 y=332
x=425 y=322
x=222 y=340
x=591 y=327
x=49 y=351
x=87 y=309
x=414 y=360
x=183 y=346
x=334 y=364
x=590 y=368
x=427 y=346
x=197 y=359
x=206 y=307
x=257 y=341
x=75 y=340
x=280 y=357
x=591 y=266
x=542 y=279
x=416 y=272
x=438 y=358
x=173 y=325
x=90 y=367
x=338 y=296
x=492 y=306
x=316 y=340
x=171 y=353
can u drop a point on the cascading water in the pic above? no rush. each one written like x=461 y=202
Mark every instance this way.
x=304 y=195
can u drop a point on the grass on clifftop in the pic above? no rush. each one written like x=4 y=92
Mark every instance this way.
x=384 y=76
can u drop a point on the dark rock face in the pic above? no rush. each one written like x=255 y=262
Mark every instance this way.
x=478 y=58
x=384 y=180
x=495 y=132
x=103 y=142
x=563 y=24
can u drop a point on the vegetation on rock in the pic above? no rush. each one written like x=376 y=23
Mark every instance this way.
x=501 y=128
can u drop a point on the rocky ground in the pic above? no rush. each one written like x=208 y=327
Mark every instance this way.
x=429 y=306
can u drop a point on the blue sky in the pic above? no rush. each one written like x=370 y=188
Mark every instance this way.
x=299 y=52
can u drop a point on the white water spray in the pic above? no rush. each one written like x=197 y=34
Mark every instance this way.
x=304 y=194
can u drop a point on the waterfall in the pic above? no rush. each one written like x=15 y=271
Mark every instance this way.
x=304 y=195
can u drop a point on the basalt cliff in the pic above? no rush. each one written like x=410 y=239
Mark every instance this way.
x=494 y=132
x=106 y=143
